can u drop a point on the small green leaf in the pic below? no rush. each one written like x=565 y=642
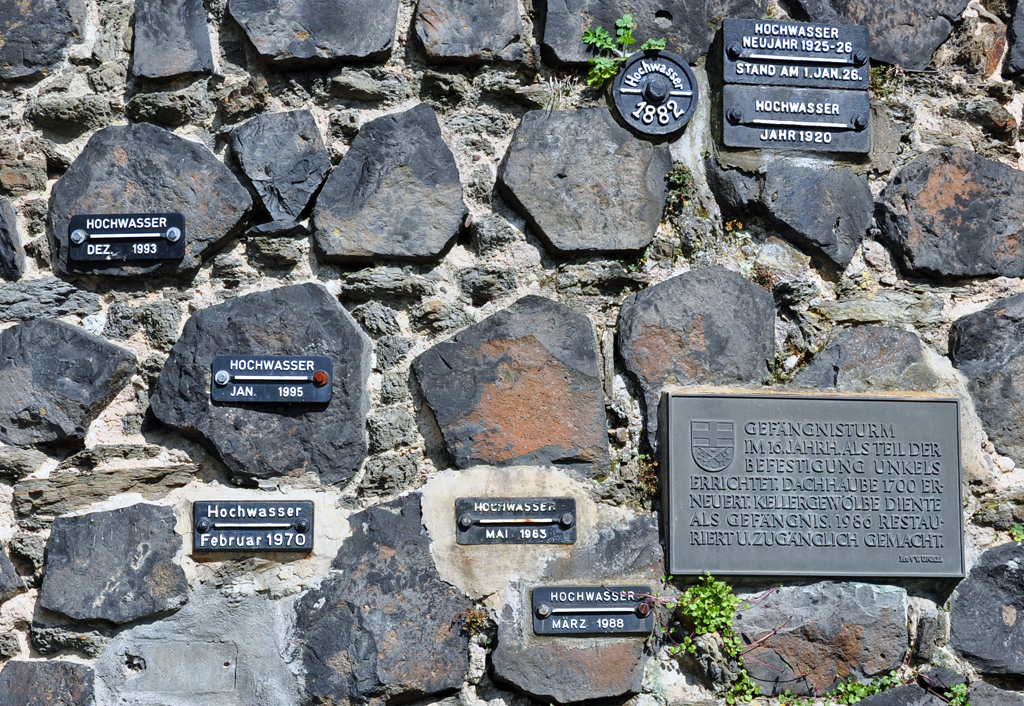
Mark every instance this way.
x=658 y=44
x=625 y=22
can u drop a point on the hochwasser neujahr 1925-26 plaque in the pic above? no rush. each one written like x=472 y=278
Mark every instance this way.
x=782 y=485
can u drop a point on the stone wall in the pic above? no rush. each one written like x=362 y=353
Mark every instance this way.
x=506 y=280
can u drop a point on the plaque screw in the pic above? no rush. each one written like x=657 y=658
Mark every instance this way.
x=78 y=236
x=203 y=525
x=860 y=122
x=320 y=378
x=302 y=525
x=567 y=520
x=543 y=610
x=223 y=377
x=465 y=522
x=173 y=235
x=734 y=51
x=735 y=116
x=860 y=58
x=643 y=609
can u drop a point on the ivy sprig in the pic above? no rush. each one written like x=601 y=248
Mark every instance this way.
x=605 y=67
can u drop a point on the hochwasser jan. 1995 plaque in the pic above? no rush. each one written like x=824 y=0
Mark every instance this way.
x=783 y=485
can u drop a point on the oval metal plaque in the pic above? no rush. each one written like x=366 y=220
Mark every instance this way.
x=655 y=93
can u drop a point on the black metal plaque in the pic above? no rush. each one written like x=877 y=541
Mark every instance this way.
x=826 y=486
x=770 y=52
x=655 y=92
x=124 y=237
x=252 y=526
x=809 y=119
x=296 y=379
x=515 y=520
x=579 y=611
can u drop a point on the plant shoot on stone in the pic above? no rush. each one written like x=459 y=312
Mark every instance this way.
x=613 y=52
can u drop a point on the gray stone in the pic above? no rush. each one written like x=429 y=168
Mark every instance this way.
x=688 y=25
x=171 y=39
x=885 y=306
x=438 y=316
x=597 y=278
x=904 y=33
x=734 y=189
x=10 y=646
x=377 y=319
x=390 y=428
x=274 y=252
x=12 y=253
x=521 y=387
x=492 y=232
x=266 y=441
x=940 y=678
x=391 y=350
x=384 y=282
x=73 y=115
x=988 y=348
x=985 y=610
x=707 y=326
x=375 y=84
x=470 y=30
x=51 y=633
x=17 y=463
x=395 y=194
x=55 y=379
x=570 y=670
x=10 y=583
x=285 y=158
x=28 y=550
x=954 y=213
x=49 y=296
x=116 y=565
x=866 y=359
x=308 y=32
x=36 y=34
x=583 y=182
x=217 y=650
x=983 y=694
x=357 y=638
x=1001 y=509
x=54 y=683
x=482 y=284
x=159 y=319
x=390 y=474
x=142 y=168
x=172 y=108
x=825 y=211
x=824 y=632
x=1014 y=63
x=909 y=695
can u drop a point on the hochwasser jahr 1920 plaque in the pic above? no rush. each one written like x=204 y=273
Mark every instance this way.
x=782 y=485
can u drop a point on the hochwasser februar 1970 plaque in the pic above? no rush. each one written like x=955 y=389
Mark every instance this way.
x=782 y=485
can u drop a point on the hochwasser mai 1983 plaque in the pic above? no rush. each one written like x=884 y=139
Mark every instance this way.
x=783 y=485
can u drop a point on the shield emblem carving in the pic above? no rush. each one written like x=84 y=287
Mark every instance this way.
x=712 y=444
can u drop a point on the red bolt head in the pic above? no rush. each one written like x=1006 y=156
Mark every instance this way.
x=320 y=378
x=643 y=609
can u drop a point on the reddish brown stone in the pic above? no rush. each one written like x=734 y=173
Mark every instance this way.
x=522 y=386
x=46 y=684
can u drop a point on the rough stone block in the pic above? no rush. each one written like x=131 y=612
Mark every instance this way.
x=142 y=168
x=583 y=182
x=987 y=606
x=470 y=30
x=707 y=326
x=521 y=387
x=908 y=695
x=116 y=565
x=868 y=358
x=36 y=34
x=55 y=379
x=383 y=625
x=285 y=158
x=825 y=632
x=56 y=683
x=309 y=32
x=1014 y=63
x=983 y=694
x=954 y=213
x=45 y=297
x=12 y=253
x=171 y=39
x=261 y=441
x=10 y=583
x=396 y=193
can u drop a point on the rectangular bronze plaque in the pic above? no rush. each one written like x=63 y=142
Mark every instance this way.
x=123 y=237
x=515 y=520
x=785 y=485
x=579 y=611
x=294 y=379
x=808 y=119
x=778 y=53
x=252 y=526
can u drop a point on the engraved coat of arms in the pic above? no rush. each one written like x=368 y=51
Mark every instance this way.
x=712 y=444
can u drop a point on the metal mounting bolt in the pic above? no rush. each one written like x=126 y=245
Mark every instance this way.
x=735 y=116
x=543 y=610
x=465 y=522
x=643 y=609
x=202 y=525
x=860 y=122
x=320 y=378
x=734 y=51
x=860 y=58
x=302 y=525
x=78 y=236
x=222 y=377
x=567 y=520
x=173 y=234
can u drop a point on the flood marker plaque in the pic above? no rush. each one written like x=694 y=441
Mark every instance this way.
x=515 y=520
x=125 y=237
x=581 y=611
x=822 y=486
x=252 y=526
x=300 y=379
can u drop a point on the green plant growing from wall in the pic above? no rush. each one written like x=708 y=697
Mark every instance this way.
x=612 y=52
x=957 y=694
x=1017 y=533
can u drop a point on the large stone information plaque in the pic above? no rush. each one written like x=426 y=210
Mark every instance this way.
x=781 y=485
